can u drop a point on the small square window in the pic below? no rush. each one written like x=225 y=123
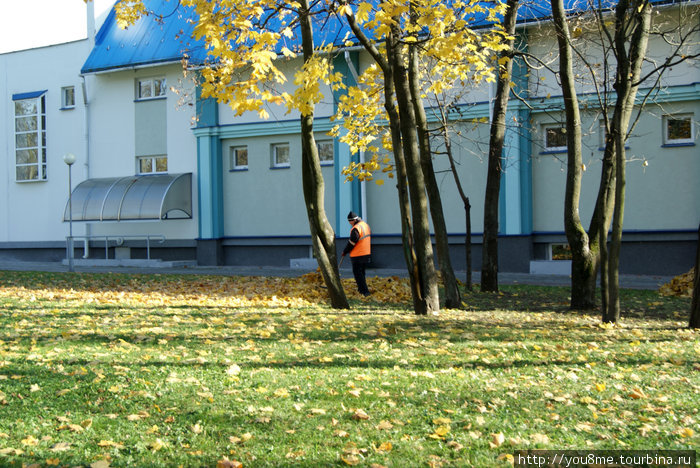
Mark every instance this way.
x=152 y=164
x=678 y=129
x=560 y=252
x=68 y=97
x=150 y=88
x=280 y=155
x=554 y=137
x=326 y=152
x=239 y=158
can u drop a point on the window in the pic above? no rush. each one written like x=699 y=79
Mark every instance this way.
x=326 y=152
x=280 y=155
x=68 y=97
x=560 y=252
x=603 y=132
x=239 y=158
x=678 y=129
x=30 y=137
x=152 y=164
x=150 y=88
x=554 y=137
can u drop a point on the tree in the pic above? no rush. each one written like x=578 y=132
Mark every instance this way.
x=575 y=233
x=452 y=299
x=411 y=32
x=632 y=21
x=444 y=131
x=611 y=48
x=244 y=39
x=489 y=258
x=406 y=154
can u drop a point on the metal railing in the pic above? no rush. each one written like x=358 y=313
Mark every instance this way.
x=118 y=241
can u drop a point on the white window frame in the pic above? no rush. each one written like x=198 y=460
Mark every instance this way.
x=154 y=164
x=66 y=92
x=603 y=133
x=552 y=149
x=321 y=143
x=274 y=147
x=39 y=132
x=150 y=83
x=234 y=153
x=678 y=141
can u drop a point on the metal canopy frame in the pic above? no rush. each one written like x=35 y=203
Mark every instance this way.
x=133 y=198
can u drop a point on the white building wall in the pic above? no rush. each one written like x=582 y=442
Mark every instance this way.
x=662 y=193
x=112 y=127
x=542 y=44
x=266 y=201
x=279 y=112
x=33 y=211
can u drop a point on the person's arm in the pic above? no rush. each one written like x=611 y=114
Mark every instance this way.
x=354 y=237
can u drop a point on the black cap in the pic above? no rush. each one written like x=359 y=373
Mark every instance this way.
x=352 y=216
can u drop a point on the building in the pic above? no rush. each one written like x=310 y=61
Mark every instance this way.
x=162 y=173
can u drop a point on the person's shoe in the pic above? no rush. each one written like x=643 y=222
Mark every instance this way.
x=367 y=294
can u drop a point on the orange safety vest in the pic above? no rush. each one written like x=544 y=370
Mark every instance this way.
x=363 y=246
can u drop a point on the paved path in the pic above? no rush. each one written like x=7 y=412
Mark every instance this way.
x=626 y=281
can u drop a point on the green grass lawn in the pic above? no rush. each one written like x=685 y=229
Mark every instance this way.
x=117 y=370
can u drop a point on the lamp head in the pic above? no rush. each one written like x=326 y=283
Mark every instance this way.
x=69 y=158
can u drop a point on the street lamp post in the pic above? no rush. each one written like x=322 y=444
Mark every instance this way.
x=69 y=159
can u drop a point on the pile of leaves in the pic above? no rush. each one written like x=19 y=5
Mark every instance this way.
x=199 y=291
x=681 y=285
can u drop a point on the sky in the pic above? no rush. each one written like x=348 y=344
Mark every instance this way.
x=26 y=24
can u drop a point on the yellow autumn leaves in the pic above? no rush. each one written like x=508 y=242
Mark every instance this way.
x=221 y=291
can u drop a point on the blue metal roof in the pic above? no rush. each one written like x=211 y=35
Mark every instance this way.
x=160 y=38
x=166 y=36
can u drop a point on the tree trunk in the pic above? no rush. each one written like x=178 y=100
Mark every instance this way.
x=468 y=242
x=583 y=264
x=452 y=299
x=613 y=289
x=322 y=235
x=489 y=258
x=445 y=130
x=416 y=182
x=695 y=304
x=603 y=256
x=416 y=281
x=636 y=14
x=409 y=251
x=600 y=225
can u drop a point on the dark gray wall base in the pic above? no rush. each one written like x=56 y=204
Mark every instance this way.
x=263 y=255
x=639 y=257
x=210 y=252
x=657 y=258
x=34 y=254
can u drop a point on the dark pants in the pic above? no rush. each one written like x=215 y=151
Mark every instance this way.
x=359 y=266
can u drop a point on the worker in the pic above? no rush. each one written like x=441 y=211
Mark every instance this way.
x=359 y=249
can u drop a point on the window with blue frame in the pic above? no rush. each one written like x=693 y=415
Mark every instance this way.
x=280 y=155
x=554 y=138
x=150 y=88
x=326 y=152
x=30 y=136
x=239 y=158
x=678 y=129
